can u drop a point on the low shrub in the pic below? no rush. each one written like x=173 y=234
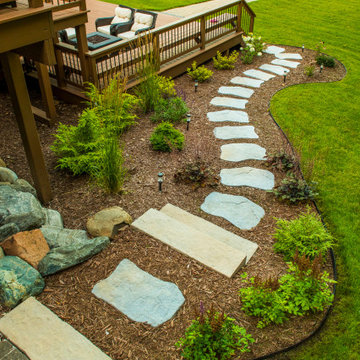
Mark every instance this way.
x=325 y=60
x=166 y=86
x=294 y=190
x=281 y=161
x=166 y=138
x=309 y=70
x=200 y=73
x=213 y=336
x=225 y=62
x=306 y=234
x=253 y=46
x=171 y=110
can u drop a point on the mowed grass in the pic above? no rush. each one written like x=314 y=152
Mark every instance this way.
x=323 y=123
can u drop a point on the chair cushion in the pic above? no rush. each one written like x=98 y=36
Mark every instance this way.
x=126 y=35
x=70 y=32
x=104 y=29
x=142 y=21
x=123 y=13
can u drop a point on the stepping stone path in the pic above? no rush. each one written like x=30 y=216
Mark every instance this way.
x=248 y=176
x=236 y=91
x=239 y=210
x=41 y=335
x=235 y=132
x=229 y=102
x=287 y=63
x=278 y=70
x=240 y=80
x=274 y=50
x=287 y=56
x=257 y=74
x=139 y=295
x=228 y=115
x=241 y=152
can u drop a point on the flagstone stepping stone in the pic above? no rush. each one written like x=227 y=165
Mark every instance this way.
x=257 y=74
x=287 y=63
x=274 y=50
x=235 y=132
x=228 y=115
x=192 y=242
x=248 y=176
x=236 y=91
x=139 y=295
x=229 y=102
x=207 y=227
x=239 y=210
x=41 y=335
x=241 y=152
x=240 y=80
x=278 y=70
x=288 y=56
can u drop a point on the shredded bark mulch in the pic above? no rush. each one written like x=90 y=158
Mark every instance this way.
x=68 y=293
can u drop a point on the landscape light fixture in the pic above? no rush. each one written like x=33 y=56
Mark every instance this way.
x=196 y=85
x=188 y=119
x=285 y=73
x=302 y=48
x=321 y=68
x=160 y=180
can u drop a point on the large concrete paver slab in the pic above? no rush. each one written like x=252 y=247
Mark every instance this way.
x=257 y=74
x=216 y=232
x=235 y=132
x=242 y=151
x=288 y=56
x=275 y=69
x=286 y=63
x=245 y=81
x=274 y=50
x=228 y=115
x=213 y=253
x=41 y=335
x=236 y=91
x=239 y=210
x=139 y=295
x=228 y=102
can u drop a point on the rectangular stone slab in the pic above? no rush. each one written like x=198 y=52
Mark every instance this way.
x=206 y=227
x=200 y=246
x=41 y=335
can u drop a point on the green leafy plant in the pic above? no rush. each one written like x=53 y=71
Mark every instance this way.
x=166 y=138
x=320 y=47
x=213 y=336
x=171 y=110
x=281 y=161
x=253 y=46
x=198 y=173
x=200 y=73
x=225 y=62
x=305 y=234
x=325 y=60
x=294 y=190
x=309 y=70
x=166 y=86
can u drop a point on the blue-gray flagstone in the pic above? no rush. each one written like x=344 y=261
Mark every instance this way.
x=241 y=80
x=229 y=102
x=235 y=132
x=239 y=210
x=257 y=74
x=228 y=115
x=286 y=63
x=288 y=56
x=241 y=152
x=139 y=295
x=236 y=91
x=278 y=70
x=248 y=176
x=274 y=50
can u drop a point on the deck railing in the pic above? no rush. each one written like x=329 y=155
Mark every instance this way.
x=167 y=44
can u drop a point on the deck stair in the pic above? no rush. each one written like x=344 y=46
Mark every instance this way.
x=193 y=236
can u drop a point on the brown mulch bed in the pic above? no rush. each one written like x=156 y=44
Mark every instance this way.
x=68 y=293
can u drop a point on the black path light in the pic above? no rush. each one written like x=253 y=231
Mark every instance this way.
x=285 y=73
x=188 y=119
x=196 y=85
x=302 y=48
x=160 y=180
x=321 y=68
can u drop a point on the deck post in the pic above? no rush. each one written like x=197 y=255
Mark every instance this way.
x=239 y=14
x=59 y=66
x=156 y=51
x=203 y=33
x=251 y=26
x=82 y=48
x=93 y=77
x=15 y=80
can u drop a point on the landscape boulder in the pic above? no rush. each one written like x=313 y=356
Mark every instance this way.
x=7 y=175
x=8 y=230
x=18 y=281
x=53 y=218
x=68 y=248
x=30 y=246
x=107 y=222
x=24 y=186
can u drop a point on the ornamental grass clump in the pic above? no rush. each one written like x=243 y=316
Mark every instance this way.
x=225 y=62
x=305 y=234
x=253 y=46
x=213 y=336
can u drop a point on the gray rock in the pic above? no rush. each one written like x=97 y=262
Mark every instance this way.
x=240 y=80
x=228 y=102
x=139 y=295
x=228 y=115
x=248 y=176
x=239 y=210
x=236 y=91
x=7 y=175
x=68 y=248
x=24 y=186
x=241 y=152
x=286 y=63
x=288 y=56
x=20 y=208
x=53 y=218
x=257 y=74
x=8 y=230
x=274 y=50
x=18 y=281
x=278 y=70
x=235 y=132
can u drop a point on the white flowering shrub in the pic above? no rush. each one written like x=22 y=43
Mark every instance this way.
x=253 y=46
